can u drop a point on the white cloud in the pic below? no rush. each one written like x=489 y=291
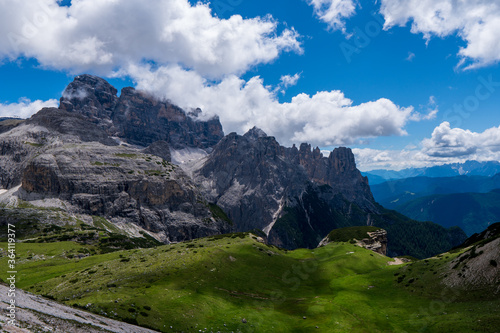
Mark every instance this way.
x=326 y=118
x=475 y=21
x=456 y=142
x=446 y=145
x=373 y=159
x=334 y=12
x=411 y=56
x=25 y=108
x=176 y=50
x=93 y=35
x=289 y=80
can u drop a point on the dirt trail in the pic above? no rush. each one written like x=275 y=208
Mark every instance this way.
x=396 y=261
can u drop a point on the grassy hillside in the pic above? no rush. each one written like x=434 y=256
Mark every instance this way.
x=472 y=212
x=235 y=283
x=347 y=234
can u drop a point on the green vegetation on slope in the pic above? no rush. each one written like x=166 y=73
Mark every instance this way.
x=405 y=236
x=347 y=234
x=472 y=212
x=417 y=239
x=234 y=283
x=58 y=226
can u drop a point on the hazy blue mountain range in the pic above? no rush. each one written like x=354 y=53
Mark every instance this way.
x=470 y=202
x=470 y=168
x=394 y=193
x=472 y=212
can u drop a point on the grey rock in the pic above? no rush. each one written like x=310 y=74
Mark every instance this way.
x=138 y=117
x=160 y=149
x=262 y=185
x=68 y=123
x=122 y=185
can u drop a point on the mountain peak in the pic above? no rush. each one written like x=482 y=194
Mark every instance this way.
x=255 y=133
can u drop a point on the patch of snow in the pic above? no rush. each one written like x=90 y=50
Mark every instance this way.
x=2 y=191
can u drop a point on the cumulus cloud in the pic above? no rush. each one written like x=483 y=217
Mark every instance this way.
x=334 y=12
x=25 y=108
x=456 y=142
x=446 y=145
x=326 y=118
x=184 y=53
x=92 y=35
x=475 y=21
x=372 y=159
x=289 y=80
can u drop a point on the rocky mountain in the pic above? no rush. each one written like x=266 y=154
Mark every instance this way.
x=137 y=116
x=338 y=171
x=114 y=157
x=70 y=159
x=297 y=196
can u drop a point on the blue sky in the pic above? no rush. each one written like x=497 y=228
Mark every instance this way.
x=390 y=94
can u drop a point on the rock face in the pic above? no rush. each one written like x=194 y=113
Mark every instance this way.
x=70 y=124
x=123 y=186
x=376 y=242
x=338 y=171
x=71 y=158
x=90 y=96
x=263 y=185
x=138 y=117
x=249 y=178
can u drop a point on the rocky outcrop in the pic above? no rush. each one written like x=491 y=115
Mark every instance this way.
x=124 y=186
x=262 y=185
x=70 y=124
x=338 y=170
x=6 y=124
x=160 y=149
x=249 y=178
x=375 y=241
x=137 y=116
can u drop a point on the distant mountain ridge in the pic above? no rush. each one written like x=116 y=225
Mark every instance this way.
x=470 y=168
x=472 y=212
x=394 y=193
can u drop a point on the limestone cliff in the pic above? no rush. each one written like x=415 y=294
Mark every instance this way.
x=137 y=116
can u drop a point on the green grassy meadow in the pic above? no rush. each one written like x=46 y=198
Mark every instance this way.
x=234 y=283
